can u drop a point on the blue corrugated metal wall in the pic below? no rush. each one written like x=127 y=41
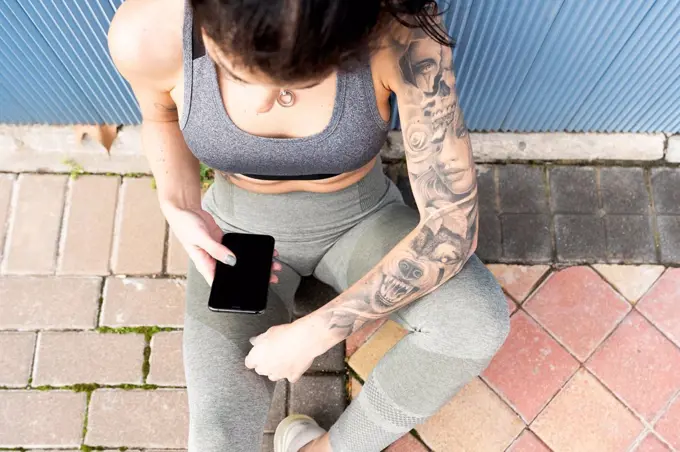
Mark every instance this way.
x=548 y=65
x=56 y=66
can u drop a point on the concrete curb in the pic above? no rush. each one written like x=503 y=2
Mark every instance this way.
x=49 y=148
x=673 y=149
x=493 y=147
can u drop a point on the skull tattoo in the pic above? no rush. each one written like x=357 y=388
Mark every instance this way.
x=429 y=69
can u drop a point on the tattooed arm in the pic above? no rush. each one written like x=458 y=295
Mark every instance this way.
x=441 y=170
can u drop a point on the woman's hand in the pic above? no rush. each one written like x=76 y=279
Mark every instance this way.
x=201 y=237
x=287 y=351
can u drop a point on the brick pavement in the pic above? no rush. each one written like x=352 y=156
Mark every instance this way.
x=91 y=305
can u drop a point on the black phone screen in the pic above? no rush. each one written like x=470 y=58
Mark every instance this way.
x=243 y=287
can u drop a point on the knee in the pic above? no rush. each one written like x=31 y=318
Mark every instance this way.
x=476 y=330
x=218 y=383
x=468 y=318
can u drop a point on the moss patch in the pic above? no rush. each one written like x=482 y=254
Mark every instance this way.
x=147 y=331
x=146 y=364
x=207 y=176
x=87 y=412
x=75 y=168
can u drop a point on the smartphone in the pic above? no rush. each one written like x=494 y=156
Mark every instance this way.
x=243 y=287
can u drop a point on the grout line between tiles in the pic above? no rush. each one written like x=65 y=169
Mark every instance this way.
x=117 y=225
x=653 y=214
x=63 y=225
x=11 y=220
x=34 y=359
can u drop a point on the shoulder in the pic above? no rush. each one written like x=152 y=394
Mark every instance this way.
x=407 y=52
x=145 y=41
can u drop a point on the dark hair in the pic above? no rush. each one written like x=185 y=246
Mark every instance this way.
x=298 y=40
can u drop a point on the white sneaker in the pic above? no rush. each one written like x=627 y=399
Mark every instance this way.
x=294 y=432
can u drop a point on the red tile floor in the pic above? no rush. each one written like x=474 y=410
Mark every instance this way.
x=592 y=363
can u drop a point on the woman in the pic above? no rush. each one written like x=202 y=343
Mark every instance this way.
x=289 y=101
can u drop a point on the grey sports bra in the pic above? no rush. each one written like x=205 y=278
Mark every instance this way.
x=353 y=137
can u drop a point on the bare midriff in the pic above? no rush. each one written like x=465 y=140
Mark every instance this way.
x=331 y=184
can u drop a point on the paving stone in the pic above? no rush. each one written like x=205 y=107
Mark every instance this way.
x=518 y=280
x=476 y=419
x=311 y=295
x=639 y=365
x=166 y=367
x=669 y=238
x=34 y=233
x=580 y=238
x=6 y=184
x=669 y=424
x=407 y=443
x=143 y=302
x=584 y=416
x=356 y=340
x=529 y=368
x=486 y=188
x=71 y=450
x=32 y=302
x=526 y=238
x=522 y=189
x=277 y=411
x=624 y=190
x=632 y=281
x=67 y=358
x=178 y=259
x=321 y=397
x=146 y=419
x=41 y=418
x=665 y=183
x=660 y=305
x=528 y=442
x=16 y=357
x=88 y=226
x=630 y=238
x=489 y=240
x=140 y=233
x=651 y=443
x=364 y=360
x=578 y=308
x=573 y=189
x=331 y=361
x=161 y=450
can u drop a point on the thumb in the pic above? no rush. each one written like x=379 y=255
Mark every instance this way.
x=215 y=249
x=257 y=339
x=203 y=262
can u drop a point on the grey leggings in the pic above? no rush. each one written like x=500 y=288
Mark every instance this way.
x=337 y=237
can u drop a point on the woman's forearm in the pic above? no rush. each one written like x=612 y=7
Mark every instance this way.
x=174 y=167
x=430 y=255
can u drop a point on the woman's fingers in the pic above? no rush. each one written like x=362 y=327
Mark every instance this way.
x=215 y=249
x=204 y=263
x=276 y=267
